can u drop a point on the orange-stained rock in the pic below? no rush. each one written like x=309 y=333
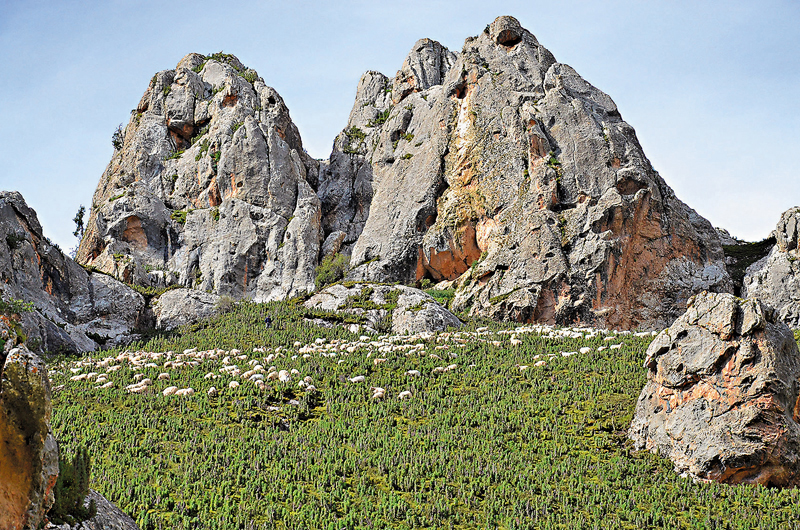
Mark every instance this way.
x=28 y=452
x=722 y=394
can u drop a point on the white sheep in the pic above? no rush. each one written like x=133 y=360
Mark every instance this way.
x=284 y=377
x=358 y=379
x=185 y=392
x=233 y=384
x=414 y=373
x=404 y=394
x=163 y=376
x=170 y=390
x=212 y=392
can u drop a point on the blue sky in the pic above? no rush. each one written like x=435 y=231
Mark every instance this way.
x=711 y=87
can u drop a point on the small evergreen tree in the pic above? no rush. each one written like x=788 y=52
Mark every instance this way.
x=78 y=220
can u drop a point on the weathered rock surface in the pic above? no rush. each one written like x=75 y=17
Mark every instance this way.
x=74 y=310
x=178 y=307
x=211 y=188
x=721 y=399
x=776 y=278
x=505 y=171
x=410 y=310
x=108 y=517
x=28 y=452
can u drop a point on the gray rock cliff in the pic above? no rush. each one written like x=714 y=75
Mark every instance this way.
x=775 y=279
x=74 y=309
x=504 y=171
x=211 y=188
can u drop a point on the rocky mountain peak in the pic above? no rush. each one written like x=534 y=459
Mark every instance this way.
x=497 y=169
x=203 y=190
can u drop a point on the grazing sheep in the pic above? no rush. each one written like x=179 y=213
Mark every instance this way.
x=616 y=346
x=376 y=362
x=272 y=375
x=295 y=371
x=414 y=373
x=377 y=389
x=233 y=384
x=137 y=377
x=358 y=379
x=106 y=385
x=378 y=395
x=308 y=379
x=284 y=377
x=170 y=390
x=585 y=349
x=212 y=392
x=185 y=392
x=540 y=363
x=515 y=342
x=163 y=376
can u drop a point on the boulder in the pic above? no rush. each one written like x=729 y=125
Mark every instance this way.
x=178 y=307
x=504 y=171
x=75 y=310
x=721 y=399
x=409 y=310
x=108 y=517
x=28 y=452
x=776 y=278
x=209 y=189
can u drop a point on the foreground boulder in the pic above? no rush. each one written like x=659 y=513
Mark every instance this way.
x=178 y=307
x=28 y=452
x=108 y=517
x=209 y=187
x=776 y=278
x=386 y=308
x=721 y=399
x=505 y=171
x=74 y=310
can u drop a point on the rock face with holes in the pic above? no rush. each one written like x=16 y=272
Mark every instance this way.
x=721 y=399
x=504 y=171
x=29 y=453
x=210 y=188
x=74 y=310
x=386 y=308
x=776 y=278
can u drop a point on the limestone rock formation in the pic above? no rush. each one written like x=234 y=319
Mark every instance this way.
x=179 y=307
x=28 y=452
x=210 y=188
x=506 y=172
x=74 y=309
x=776 y=278
x=108 y=517
x=721 y=399
x=408 y=309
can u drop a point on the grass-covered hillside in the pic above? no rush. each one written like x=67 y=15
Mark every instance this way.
x=504 y=428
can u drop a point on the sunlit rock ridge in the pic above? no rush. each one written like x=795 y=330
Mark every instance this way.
x=497 y=170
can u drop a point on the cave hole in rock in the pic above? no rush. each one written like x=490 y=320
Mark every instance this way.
x=271 y=100
x=509 y=38
x=630 y=186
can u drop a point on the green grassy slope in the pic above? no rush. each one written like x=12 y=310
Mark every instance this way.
x=484 y=445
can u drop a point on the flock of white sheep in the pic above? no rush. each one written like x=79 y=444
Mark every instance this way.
x=234 y=368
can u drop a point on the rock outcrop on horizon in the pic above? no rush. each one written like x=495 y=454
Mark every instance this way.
x=721 y=399
x=74 y=310
x=775 y=279
x=28 y=452
x=210 y=188
x=497 y=169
